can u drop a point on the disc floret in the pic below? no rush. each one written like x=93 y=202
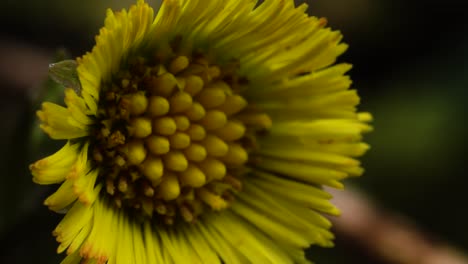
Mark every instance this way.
x=170 y=141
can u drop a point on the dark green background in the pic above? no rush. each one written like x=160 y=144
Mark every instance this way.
x=411 y=70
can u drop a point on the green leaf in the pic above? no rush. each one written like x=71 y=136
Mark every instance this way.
x=64 y=73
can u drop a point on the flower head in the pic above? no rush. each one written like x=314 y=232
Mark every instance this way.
x=203 y=134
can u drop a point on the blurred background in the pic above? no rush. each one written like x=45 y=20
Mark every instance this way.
x=411 y=69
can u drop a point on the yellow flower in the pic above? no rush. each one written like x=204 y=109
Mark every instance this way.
x=203 y=134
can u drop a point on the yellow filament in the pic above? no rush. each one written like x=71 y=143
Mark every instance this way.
x=213 y=200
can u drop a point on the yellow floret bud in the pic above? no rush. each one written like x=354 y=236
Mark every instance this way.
x=164 y=126
x=182 y=122
x=176 y=161
x=163 y=85
x=179 y=140
x=195 y=152
x=180 y=102
x=192 y=176
x=158 y=145
x=211 y=97
x=153 y=169
x=233 y=105
x=140 y=127
x=215 y=146
x=213 y=169
x=196 y=132
x=138 y=103
x=136 y=152
x=193 y=84
x=157 y=106
x=169 y=188
x=231 y=131
x=236 y=155
x=214 y=119
x=178 y=64
x=195 y=112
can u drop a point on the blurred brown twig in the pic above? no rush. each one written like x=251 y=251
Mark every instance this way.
x=388 y=235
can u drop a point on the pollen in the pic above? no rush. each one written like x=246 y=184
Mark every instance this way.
x=173 y=137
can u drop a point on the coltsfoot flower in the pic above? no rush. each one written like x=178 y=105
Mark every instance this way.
x=203 y=134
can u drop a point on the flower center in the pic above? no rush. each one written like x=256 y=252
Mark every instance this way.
x=173 y=136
